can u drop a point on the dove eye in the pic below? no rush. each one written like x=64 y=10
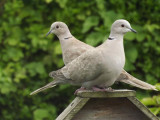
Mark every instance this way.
x=122 y=25
x=57 y=26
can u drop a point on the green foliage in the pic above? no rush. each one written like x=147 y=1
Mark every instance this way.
x=27 y=56
x=90 y=22
x=152 y=101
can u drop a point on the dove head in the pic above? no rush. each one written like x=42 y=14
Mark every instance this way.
x=121 y=27
x=58 y=28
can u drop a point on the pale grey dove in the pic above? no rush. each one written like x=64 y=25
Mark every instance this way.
x=72 y=48
x=100 y=66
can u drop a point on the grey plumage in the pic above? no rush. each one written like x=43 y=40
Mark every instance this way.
x=127 y=78
x=59 y=77
x=72 y=48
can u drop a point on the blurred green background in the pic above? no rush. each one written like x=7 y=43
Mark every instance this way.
x=27 y=56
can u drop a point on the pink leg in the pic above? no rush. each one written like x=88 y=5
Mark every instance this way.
x=80 y=89
x=98 y=89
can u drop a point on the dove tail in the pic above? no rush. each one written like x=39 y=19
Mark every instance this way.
x=59 y=79
x=49 y=85
x=128 y=79
x=140 y=84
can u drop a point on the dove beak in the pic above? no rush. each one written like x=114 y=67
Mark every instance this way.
x=48 y=33
x=133 y=30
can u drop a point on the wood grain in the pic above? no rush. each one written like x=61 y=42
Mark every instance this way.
x=113 y=105
x=106 y=94
x=110 y=109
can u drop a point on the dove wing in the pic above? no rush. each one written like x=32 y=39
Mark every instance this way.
x=86 y=67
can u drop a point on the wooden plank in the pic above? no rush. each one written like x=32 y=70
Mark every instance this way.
x=72 y=108
x=143 y=108
x=113 y=105
x=110 y=109
x=106 y=94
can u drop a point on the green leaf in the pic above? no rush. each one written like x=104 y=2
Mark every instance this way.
x=148 y=101
x=155 y=110
x=151 y=79
x=130 y=36
x=94 y=38
x=129 y=66
x=131 y=52
x=63 y=87
x=109 y=16
x=35 y=68
x=157 y=99
x=14 y=53
x=89 y=23
x=158 y=86
x=40 y=114
x=100 y=4
x=48 y=1
x=140 y=37
x=152 y=27
x=7 y=87
x=62 y=3
x=57 y=49
x=40 y=68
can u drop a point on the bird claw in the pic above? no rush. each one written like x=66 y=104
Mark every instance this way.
x=80 y=89
x=109 y=89
x=98 y=89
x=102 y=89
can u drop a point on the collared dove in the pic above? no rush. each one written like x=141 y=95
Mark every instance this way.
x=72 y=48
x=100 y=66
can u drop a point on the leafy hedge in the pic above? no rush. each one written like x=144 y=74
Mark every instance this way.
x=27 y=56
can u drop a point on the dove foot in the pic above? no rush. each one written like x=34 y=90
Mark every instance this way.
x=98 y=89
x=109 y=89
x=80 y=89
x=95 y=88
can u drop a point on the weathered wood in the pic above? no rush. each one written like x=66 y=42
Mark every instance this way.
x=143 y=108
x=110 y=109
x=114 y=105
x=106 y=94
x=72 y=108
